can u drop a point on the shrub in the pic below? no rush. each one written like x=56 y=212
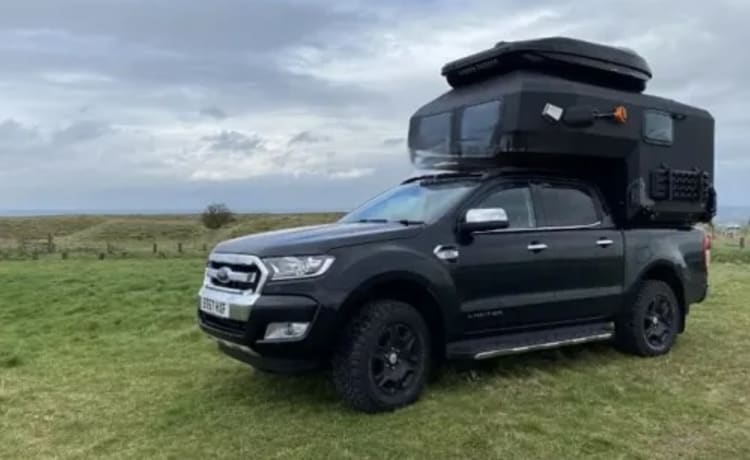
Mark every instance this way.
x=216 y=216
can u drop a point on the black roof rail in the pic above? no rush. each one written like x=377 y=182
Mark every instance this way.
x=445 y=176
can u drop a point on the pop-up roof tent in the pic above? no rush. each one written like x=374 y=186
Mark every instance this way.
x=578 y=108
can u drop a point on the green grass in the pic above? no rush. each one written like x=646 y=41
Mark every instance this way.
x=132 y=236
x=102 y=359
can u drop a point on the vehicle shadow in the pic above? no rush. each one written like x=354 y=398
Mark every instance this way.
x=524 y=365
x=314 y=390
x=244 y=385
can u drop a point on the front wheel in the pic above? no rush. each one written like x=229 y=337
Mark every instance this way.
x=382 y=360
x=650 y=326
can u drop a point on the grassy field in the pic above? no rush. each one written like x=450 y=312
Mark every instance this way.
x=102 y=359
x=131 y=236
x=127 y=237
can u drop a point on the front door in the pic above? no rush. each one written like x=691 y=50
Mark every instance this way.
x=502 y=276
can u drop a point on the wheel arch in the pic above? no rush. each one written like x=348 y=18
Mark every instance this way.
x=407 y=287
x=670 y=274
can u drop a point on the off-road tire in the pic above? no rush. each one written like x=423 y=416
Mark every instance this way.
x=631 y=327
x=352 y=362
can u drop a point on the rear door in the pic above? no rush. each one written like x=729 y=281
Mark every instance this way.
x=584 y=250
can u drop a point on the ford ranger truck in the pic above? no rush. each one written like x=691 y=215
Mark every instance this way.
x=451 y=266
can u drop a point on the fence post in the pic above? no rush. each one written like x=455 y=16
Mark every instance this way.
x=50 y=243
x=155 y=249
x=205 y=247
x=742 y=242
x=179 y=248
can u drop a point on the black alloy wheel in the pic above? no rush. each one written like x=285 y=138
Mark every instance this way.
x=649 y=326
x=383 y=357
x=659 y=322
x=396 y=359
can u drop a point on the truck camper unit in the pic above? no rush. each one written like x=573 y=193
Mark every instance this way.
x=577 y=108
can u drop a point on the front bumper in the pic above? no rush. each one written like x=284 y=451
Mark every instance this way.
x=264 y=363
x=241 y=336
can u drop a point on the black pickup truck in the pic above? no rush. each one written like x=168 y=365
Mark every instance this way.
x=457 y=266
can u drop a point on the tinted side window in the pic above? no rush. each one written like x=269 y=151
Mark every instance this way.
x=478 y=124
x=658 y=127
x=433 y=133
x=517 y=204
x=566 y=206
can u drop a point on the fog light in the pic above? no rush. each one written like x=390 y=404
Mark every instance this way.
x=285 y=331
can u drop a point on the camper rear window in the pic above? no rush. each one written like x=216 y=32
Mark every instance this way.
x=478 y=124
x=658 y=127
x=433 y=133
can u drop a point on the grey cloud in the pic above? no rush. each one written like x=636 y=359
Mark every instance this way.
x=13 y=132
x=394 y=142
x=308 y=137
x=191 y=26
x=234 y=141
x=81 y=131
x=147 y=57
x=152 y=66
x=213 y=112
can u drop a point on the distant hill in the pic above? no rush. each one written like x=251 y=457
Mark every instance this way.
x=131 y=234
x=733 y=214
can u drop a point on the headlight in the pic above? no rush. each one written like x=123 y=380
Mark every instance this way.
x=288 y=268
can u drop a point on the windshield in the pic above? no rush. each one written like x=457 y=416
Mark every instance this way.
x=415 y=202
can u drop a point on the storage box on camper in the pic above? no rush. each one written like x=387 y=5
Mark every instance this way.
x=575 y=107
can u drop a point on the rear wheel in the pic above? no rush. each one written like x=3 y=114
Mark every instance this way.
x=651 y=325
x=382 y=360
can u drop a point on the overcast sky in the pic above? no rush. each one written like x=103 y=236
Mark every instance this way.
x=153 y=104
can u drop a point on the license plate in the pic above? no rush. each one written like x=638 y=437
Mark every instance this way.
x=214 y=307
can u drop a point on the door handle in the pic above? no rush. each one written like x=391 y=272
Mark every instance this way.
x=604 y=242
x=536 y=247
x=446 y=253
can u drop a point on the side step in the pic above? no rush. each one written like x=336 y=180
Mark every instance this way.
x=521 y=342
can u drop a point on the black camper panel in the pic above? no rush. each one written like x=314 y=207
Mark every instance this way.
x=653 y=157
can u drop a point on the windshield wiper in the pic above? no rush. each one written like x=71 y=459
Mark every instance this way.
x=408 y=222
x=373 y=221
x=386 y=221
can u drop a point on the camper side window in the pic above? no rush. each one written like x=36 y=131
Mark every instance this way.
x=658 y=127
x=478 y=125
x=433 y=134
x=567 y=206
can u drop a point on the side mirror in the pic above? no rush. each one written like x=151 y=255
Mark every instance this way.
x=481 y=220
x=580 y=116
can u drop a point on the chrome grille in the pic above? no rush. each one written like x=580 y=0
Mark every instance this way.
x=235 y=272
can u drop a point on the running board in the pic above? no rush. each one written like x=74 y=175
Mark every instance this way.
x=522 y=342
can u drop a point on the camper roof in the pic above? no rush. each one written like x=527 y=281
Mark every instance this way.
x=569 y=58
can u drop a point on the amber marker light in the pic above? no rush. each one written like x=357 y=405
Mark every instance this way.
x=620 y=114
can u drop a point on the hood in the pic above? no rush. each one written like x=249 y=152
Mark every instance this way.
x=316 y=239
